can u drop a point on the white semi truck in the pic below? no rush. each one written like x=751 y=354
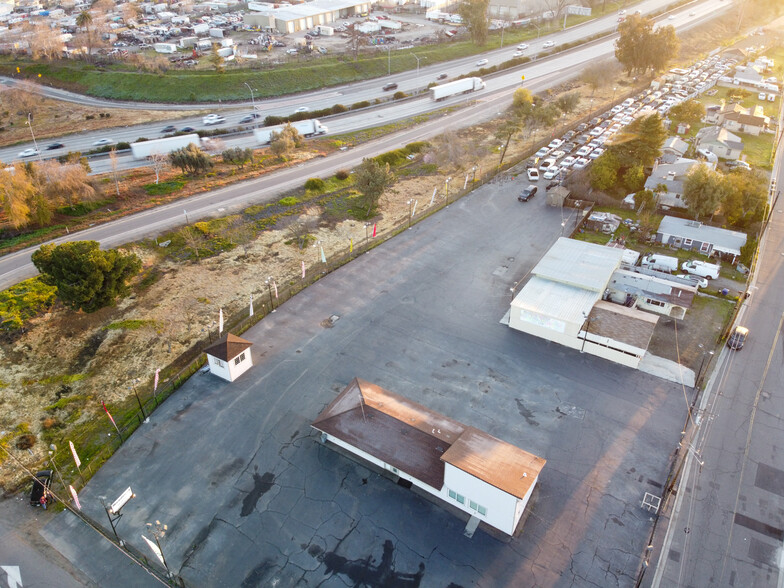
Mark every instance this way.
x=306 y=128
x=145 y=149
x=457 y=87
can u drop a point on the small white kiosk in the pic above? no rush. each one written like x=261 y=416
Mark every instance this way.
x=230 y=357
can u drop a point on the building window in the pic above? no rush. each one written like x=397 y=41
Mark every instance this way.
x=218 y=362
x=478 y=508
x=687 y=242
x=704 y=247
x=240 y=359
x=654 y=302
x=455 y=496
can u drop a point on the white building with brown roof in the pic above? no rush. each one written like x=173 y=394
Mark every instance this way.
x=230 y=357
x=487 y=478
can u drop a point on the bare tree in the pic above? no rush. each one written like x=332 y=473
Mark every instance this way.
x=158 y=162
x=113 y=160
x=194 y=239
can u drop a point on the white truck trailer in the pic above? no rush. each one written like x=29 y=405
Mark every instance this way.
x=457 y=87
x=145 y=149
x=306 y=128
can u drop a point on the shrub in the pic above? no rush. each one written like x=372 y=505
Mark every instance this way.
x=417 y=147
x=342 y=174
x=23 y=301
x=288 y=201
x=164 y=187
x=392 y=158
x=315 y=185
x=398 y=95
x=358 y=105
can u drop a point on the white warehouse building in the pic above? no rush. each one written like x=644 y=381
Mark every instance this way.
x=487 y=478
x=563 y=302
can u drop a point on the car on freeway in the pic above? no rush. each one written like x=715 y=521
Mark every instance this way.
x=214 y=120
x=517 y=54
x=738 y=338
x=169 y=129
x=533 y=174
x=551 y=172
x=548 y=44
x=302 y=109
x=187 y=130
x=527 y=193
x=671 y=17
x=389 y=86
x=248 y=119
x=442 y=76
x=52 y=146
x=104 y=141
x=28 y=152
x=482 y=62
x=522 y=46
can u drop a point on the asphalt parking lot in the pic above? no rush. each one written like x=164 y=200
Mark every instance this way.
x=251 y=497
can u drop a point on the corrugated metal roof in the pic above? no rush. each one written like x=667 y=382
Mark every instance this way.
x=556 y=300
x=498 y=463
x=578 y=263
x=653 y=287
x=730 y=241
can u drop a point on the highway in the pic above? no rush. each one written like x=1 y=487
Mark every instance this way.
x=409 y=82
x=486 y=104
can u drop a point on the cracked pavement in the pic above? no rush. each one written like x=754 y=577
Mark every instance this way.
x=252 y=498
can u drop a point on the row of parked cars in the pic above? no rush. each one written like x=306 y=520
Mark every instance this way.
x=577 y=148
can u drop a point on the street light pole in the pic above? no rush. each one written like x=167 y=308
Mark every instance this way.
x=389 y=60
x=447 y=190
x=587 y=328
x=367 y=239
x=253 y=103
x=417 y=74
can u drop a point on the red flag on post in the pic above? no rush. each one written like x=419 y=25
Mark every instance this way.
x=106 y=410
x=374 y=230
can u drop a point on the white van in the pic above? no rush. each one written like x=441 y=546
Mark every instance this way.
x=662 y=263
x=701 y=268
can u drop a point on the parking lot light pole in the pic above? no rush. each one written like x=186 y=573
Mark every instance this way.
x=135 y=393
x=447 y=190
x=269 y=291
x=158 y=531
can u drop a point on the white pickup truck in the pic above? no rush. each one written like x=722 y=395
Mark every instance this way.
x=213 y=119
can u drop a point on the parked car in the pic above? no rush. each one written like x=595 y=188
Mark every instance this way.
x=737 y=164
x=542 y=152
x=737 y=338
x=527 y=193
x=40 y=489
x=581 y=163
x=551 y=172
x=169 y=129
x=555 y=143
x=584 y=151
x=28 y=152
x=104 y=141
x=546 y=164
x=482 y=62
x=568 y=161
x=389 y=86
x=51 y=146
x=533 y=174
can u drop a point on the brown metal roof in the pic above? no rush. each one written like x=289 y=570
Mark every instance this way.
x=498 y=463
x=228 y=348
x=417 y=440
